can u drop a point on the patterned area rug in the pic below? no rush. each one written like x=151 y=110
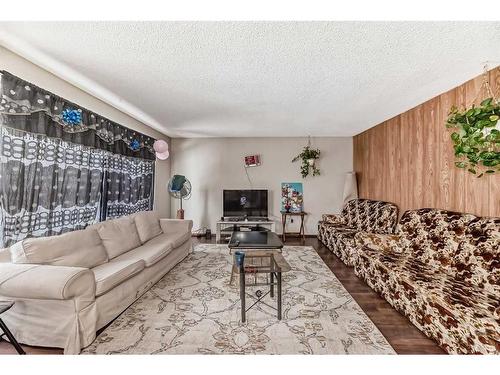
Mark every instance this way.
x=194 y=310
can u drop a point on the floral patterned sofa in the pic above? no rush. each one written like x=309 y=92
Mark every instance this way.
x=337 y=231
x=442 y=270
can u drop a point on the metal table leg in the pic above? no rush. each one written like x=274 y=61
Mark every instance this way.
x=272 y=284
x=302 y=231
x=278 y=276
x=242 y=296
x=11 y=337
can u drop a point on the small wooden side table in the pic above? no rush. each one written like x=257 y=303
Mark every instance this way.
x=301 y=232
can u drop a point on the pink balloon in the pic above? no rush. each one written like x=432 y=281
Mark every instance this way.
x=160 y=146
x=163 y=155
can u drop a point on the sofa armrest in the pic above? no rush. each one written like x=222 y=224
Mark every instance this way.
x=333 y=219
x=176 y=226
x=382 y=242
x=34 y=281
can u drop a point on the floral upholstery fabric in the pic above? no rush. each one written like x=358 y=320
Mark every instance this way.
x=477 y=259
x=433 y=235
x=337 y=232
x=344 y=243
x=381 y=242
x=370 y=216
x=442 y=271
x=333 y=219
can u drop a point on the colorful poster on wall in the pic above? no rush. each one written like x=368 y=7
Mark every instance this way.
x=292 y=197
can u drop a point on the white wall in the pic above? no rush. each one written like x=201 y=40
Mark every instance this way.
x=28 y=71
x=214 y=164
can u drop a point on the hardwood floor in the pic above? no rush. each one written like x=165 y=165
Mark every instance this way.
x=401 y=334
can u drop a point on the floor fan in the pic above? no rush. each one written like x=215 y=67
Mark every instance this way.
x=179 y=187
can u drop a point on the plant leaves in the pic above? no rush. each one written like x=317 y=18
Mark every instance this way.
x=476 y=137
x=486 y=102
x=455 y=137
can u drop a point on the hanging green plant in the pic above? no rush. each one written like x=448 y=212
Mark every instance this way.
x=477 y=139
x=308 y=156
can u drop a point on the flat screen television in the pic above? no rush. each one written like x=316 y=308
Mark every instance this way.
x=244 y=203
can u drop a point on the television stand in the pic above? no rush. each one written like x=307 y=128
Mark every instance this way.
x=224 y=229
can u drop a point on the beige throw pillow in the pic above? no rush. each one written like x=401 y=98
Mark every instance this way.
x=148 y=225
x=118 y=236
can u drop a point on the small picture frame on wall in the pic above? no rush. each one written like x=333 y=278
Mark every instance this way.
x=292 y=197
x=252 y=161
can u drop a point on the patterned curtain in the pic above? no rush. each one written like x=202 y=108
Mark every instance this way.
x=128 y=186
x=63 y=167
x=48 y=186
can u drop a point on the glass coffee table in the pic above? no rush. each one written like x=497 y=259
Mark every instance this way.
x=255 y=240
x=263 y=265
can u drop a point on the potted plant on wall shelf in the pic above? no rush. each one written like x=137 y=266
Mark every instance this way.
x=308 y=156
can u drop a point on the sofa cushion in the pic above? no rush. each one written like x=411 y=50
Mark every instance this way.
x=177 y=239
x=118 y=236
x=383 y=242
x=370 y=215
x=148 y=225
x=433 y=235
x=379 y=258
x=113 y=273
x=81 y=248
x=152 y=251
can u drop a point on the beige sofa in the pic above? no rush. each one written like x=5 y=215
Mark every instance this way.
x=67 y=287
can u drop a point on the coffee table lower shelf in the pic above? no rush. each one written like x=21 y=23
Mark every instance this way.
x=260 y=296
x=261 y=264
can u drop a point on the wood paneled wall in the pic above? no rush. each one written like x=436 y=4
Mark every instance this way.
x=409 y=159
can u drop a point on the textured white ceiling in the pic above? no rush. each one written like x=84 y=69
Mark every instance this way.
x=232 y=79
